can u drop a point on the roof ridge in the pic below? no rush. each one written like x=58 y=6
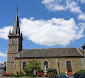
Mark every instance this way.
x=49 y=48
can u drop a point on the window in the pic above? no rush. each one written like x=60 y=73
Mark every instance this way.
x=12 y=48
x=46 y=63
x=24 y=64
x=12 y=57
x=68 y=64
x=13 y=41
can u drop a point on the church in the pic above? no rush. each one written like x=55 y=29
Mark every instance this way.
x=68 y=60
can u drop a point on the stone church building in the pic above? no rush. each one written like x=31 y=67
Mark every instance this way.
x=68 y=60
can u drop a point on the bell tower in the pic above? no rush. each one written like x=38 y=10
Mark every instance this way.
x=14 y=45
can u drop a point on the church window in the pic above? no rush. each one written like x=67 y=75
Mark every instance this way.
x=12 y=48
x=68 y=64
x=24 y=64
x=13 y=41
x=12 y=57
x=46 y=64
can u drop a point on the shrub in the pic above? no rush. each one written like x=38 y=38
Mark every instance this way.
x=17 y=75
x=31 y=75
x=7 y=74
x=34 y=75
x=81 y=71
x=42 y=74
x=52 y=70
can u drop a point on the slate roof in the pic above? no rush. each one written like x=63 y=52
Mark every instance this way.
x=50 y=52
x=16 y=25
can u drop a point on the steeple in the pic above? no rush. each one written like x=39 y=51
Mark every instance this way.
x=14 y=44
x=16 y=28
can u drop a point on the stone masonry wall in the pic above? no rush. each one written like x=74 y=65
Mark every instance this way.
x=76 y=63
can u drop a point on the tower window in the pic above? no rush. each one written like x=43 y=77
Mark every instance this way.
x=13 y=41
x=12 y=48
x=46 y=63
x=24 y=64
x=12 y=57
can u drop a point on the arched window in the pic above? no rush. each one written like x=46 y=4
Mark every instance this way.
x=24 y=64
x=13 y=41
x=12 y=48
x=12 y=57
x=46 y=63
x=68 y=64
x=69 y=68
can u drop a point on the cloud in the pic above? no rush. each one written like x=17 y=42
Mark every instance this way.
x=82 y=1
x=81 y=16
x=59 y=5
x=3 y=54
x=53 y=5
x=73 y=6
x=51 y=32
x=55 y=31
x=4 y=32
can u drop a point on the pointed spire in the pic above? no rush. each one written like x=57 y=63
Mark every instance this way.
x=16 y=28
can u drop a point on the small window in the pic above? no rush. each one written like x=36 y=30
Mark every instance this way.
x=46 y=63
x=12 y=57
x=12 y=48
x=13 y=41
x=24 y=64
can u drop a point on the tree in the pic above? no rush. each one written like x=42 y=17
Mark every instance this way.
x=32 y=67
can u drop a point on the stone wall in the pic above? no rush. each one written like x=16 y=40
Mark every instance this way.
x=76 y=63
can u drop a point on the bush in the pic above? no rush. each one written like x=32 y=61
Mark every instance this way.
x=39 y=74
x=34 y=75
x=7 y=74
x=17 y=75
x=52 y=70
x=81 y=71
x=31 y=75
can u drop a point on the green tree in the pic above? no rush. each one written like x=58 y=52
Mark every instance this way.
x=32 y=67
